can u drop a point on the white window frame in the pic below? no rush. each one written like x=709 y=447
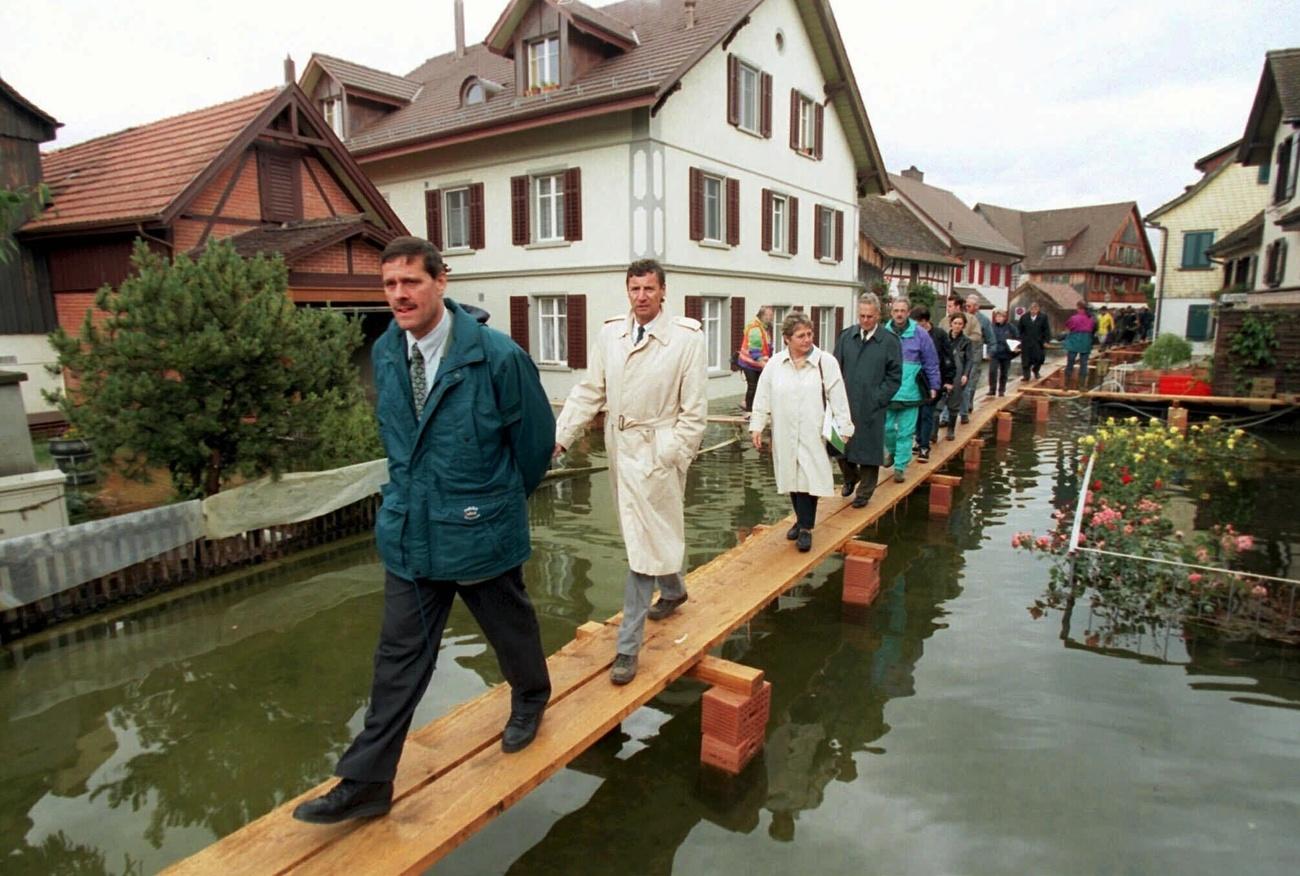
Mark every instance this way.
x=779 y=220
x=451 y=242
x=332 y=109
x=807 y=124
x=749 y=82
x=826 y=219
x=1055 y=250
x=475 y=93
x=826 y=327
x=544 y=62
x=711 y=319
x=779 y=313
x=548 y=207
x=553 y=329
x=718 y=232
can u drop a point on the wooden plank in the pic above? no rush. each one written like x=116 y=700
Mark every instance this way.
x=868 y=549
x=733 y=676
x=454 y=778
x=590 y=628
x=945 y=480
x=1212 y=400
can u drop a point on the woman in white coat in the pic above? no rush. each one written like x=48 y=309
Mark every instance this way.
x=794 y=390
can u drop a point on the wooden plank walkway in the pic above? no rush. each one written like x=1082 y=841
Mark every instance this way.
x=1193 y=400
x=453 y=778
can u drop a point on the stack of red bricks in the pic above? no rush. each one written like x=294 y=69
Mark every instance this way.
x=734 y=725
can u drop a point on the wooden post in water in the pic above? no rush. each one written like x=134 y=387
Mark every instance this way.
x=862 y=561
x=1004 y=427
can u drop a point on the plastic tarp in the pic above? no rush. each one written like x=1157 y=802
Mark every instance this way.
x=33 y=567
x=293 y=498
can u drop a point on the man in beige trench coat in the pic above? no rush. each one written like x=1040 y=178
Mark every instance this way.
x=647 y=371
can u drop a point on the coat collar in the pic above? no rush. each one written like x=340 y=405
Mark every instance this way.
x=659 y=328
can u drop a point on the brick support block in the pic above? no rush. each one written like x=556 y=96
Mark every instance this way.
x=940 y=499
x=1004 y=427
x=861 y=580
x=1042 y=409
x=1178 y=419
x=971 y=455
x=732 y=717
x=726 y=757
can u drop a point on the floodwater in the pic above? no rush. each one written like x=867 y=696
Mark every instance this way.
x=944 y=730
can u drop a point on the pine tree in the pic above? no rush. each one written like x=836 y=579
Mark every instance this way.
x=205 y=367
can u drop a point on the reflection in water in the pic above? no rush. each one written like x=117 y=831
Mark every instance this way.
x=941 y=730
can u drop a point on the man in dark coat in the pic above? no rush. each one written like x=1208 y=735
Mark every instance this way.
x=871 y=360
x=1035 y=332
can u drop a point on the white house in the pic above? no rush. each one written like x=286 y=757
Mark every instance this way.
x=725 y=138
x=1272 y=141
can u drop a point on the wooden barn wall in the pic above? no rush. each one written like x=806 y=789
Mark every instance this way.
x=1286 y=368
x=25 y=303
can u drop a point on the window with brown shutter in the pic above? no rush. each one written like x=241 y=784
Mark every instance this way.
x=279 y=176
x=733 y=212
x=765 y=106
x=737 y=326
x=477 y=236
x=816 y=317
x=573 y=204
x=733 y=90
x=697 y=204
x=519 y=320
x=839 y=235
x=818 y=135
x=694 y=308
x=839 y=321
x=818 y=210
x=433 y=216
x=519 y=230
x=792 y=226
x=767 y=220
x=577 y=329
x=796 y=104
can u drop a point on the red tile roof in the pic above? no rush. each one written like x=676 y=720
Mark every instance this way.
x=134 y=175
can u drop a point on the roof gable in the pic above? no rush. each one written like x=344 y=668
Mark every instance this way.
x=43 y=125
x=1086 y=231
x=1277 y=100
x=598 y=23
x=948 y=212
x=899 y=234
x=358 y=77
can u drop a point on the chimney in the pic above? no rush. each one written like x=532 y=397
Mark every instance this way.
x=913 y=173
x=690 y=13
x=289 y=74
x=460 y=28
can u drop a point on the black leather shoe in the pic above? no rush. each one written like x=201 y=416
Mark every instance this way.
x=805 y=541
x=348 y=799
x=520 y=730
x=793 y=532
x=848 y=488
x=665 y=607
x=860 y=501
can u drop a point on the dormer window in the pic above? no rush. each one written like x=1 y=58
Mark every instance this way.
x=544 y=63
x=473 y=92
x=1055 y=250
x=332 y=109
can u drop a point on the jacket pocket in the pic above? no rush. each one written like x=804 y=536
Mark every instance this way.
x=472 y=537
x=390 y=530
x=670 y=453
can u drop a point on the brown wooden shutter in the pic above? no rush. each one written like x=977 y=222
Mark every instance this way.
x=820 y=127
x=733 y=212
x=520 y=234
x=817 y=325
x=433 y=216
x=477 y=235
x=519 y=320
x=697 y=204
x=794 y=119
x=817 y=231
x=573 y=203
x=733 y=90
x=839 y=235
x=280 y=186
x=576 y=319
x=767 y=220
x=765 y=106
x=839 y=322
x=792 y=221
x=694 y=307
x=737 y=326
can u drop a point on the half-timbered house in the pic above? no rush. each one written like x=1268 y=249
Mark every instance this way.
x=895 y=247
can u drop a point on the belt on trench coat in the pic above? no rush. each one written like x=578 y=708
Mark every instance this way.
x=625 y=422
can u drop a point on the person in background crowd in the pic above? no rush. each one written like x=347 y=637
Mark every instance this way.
x=1145 y=320
x=434 y=365
x=963 y=363
x=647 y=372
x=920 y=383
x=797 y=386
x=1035 y=332
x=755 y=351
x=1128 y=325
x=926 y=427
x=974 y=331
x=871 y=362
x=1002 y=352
x=1105 y=327
x=1078 y=342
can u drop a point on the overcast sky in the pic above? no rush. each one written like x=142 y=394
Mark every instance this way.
x=1021 y=104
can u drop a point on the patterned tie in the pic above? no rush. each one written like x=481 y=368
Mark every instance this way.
x=640 y=333
x=419 y=387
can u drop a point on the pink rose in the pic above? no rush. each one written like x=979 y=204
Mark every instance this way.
x=1259 y=590
x=1245 y=542
x=1015 y=540
x=1194 y=578
x=1044 y=542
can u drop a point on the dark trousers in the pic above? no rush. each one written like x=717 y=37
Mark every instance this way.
x=1070 y=356
x=925 y=424
x=805 y=509
x=1030 y=362
x=865 y=476
x=751 y=384
x=415 y=614
x=998 y=370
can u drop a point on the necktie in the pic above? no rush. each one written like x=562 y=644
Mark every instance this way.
x=640 y=333
x=419 y=387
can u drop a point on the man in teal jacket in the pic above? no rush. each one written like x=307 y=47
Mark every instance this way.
x=468 y=432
